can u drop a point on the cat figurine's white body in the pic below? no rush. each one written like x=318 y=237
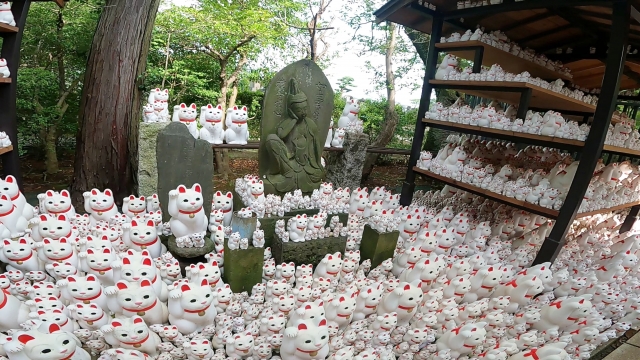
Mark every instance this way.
x=135 y=266
x=349 y=114
x=57 y=203
x=58 y=251
x=211 y=121
x=46 y=342
x=142 y=235
x=11 y=217
x=129 y=299
x=187 y=213
x=306 y=341
x=134 y=206
x=6 y=16
x=149 y=114
x=224 y=202
x=99 y=205
x=52 y=227
x=19 y=255
x=132 y=333
x=89 y=316
x=9 y=186
x=188 y=315
x=4 y=69
x=83 y=289
x=237 y=131
x=338 y=138
x=13 y=312
x=187 y=115
x=160 y=100
x=98 y=262
x=5 y=141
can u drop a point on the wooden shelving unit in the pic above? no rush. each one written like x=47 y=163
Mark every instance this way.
x=5 y=150
x=5 y=80
x=606 y=210
x=8 y=28
x=536 y=209
x=509 y=62
x=499 y=90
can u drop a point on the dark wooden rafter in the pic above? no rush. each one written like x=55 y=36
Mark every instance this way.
x=543 y=34
x=527 y=21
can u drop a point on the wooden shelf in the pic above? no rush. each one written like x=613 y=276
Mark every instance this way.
x=508 y=91
x=606 y=210
x=509 y=62
x=6 y=28
x=532 y=208
x=4 y=150
x=621 y=150
x=513 y=136
x=5 y=80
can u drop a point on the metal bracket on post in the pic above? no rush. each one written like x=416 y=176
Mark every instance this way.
x=595 y=140
x=418 y=136
x=630 y=219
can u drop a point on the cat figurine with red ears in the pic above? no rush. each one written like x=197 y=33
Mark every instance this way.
x=83 y=289
x=128 y=299
x=224 y=202
x=134 y=206
x=18 y=255
x=306 y=341
x=190 y=306
x=52 y=227
x=153 y=203
x=56 y=203
x=142 y=235
x=99 y=205
x=11 y=218
x=236 y=121
x=135 y=266
x=211 y=121
x=58 y=251
x=98 y=262
x=187 y=115
x=6 y=16
x=89 y=316
x=9 y=187
x=187 y=213
x=46 y=342
x=132 y=333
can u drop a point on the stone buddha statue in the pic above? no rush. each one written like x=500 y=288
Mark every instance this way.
x=293 y=151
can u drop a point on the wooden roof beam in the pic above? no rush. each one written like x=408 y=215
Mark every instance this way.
x=527 y=21
x=543 y=34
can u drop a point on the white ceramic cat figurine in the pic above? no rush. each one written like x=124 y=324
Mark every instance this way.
x=187 y=213
x=58 y=251
x=135 y=266
x=13 y=311
x=338 y=138
x=79 y=289
x=211 y=121
x=149 y=114
x=18 y=255
x=48 y=342
x=57 y=203
x=89 y=316
x=236 y=121
x=327 y=142
x=99 y=205
x=349 y=114
x=6 y=16
x=5 y=141
x=142 y=235
x=224 y=202
x=159 y=98
x=98 y=262
x=306 y=341
x=52 y=227
x=190 y=306
x=128 y=299
x=10 y=187
x=187 y=115
x=4 y=69
x=134 y=206
x=132 y=333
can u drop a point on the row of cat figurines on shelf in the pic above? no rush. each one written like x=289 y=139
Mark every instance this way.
x=210 y=119
x=435 y=299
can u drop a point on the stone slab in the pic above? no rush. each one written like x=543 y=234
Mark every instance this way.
x=242 y=268
x=237 y=201
x=307 y=252
x=624 y=352
x=376 y=246
x=183 y=160
x=269 y=224
x=245 y=226
x=344 y=169
x=190 y=253
x=147 y=163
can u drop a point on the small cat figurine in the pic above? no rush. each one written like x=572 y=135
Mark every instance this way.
x=5 y=141
x=56 y=203
x=187 y=115
x=99 y=205
x=224 y=202
x=190 y=306
x=46 y=342
x=133 y=206
x=128 y=299
x=149 y=114
x=18 y=255
x=58 y=251
x=211 y=121
x=98 y=262
x=237 y=131
x=244 y=243
x=135 y=266
x=132 y=333
x=187 y=213
x=142 y=235
x=338 y=138
x=153 y=203
x=83 y=289
x=4 y=69
x=55 y=317
x=89 y=316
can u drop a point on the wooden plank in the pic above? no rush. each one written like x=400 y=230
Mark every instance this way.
x=509 y=62
x=5 y=150
x=621 y=150
x=606 y=210
x=8 y=28
x=5 y=80
x=536 y=209
x=540 y=98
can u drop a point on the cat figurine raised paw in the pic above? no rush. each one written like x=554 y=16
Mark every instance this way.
x=190 y=306
x=131 y=333
x=187 y=213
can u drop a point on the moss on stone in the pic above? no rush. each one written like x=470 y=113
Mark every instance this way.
x=269 y=224
x=376 y=246
x=243 y=268
x=307 y=252
x=189 y=253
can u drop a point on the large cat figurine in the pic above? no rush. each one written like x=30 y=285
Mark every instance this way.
x=187 y=213
x=56 y=203
x=128 y=299
x=57 y=251
x=135 y=266
x=19 y=255
x=190 y=306
x=52 y=227
x=13 y=312
x=211 y=121
x=83 y=289
x=9 y=186
x=142 y=235
x=237 y=131
x=12 y=219
x=98 y=262
x=132 y=333
x=187 y=115
x=99 y=205
x=134 y=206
x=224 y=203
x=48 y=342
x=306 y=341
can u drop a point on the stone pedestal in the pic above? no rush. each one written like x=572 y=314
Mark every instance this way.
x=245 y=226
x=269 y=224
x=237 y=201
x=307 y=252
x=183 y=160
x=376 y=246
x=192 y=252
x=147 y=164
x=243 y=268
x=344 y=169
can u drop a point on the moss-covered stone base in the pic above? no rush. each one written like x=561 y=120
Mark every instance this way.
x=189 y=253
x=237 y=201
x=269 y=224
x=243 y=268
x=245 y=226
x=377 y=247
x=307 y=252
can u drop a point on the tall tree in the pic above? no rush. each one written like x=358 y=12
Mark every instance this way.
x=107 y=143
x=345 y=84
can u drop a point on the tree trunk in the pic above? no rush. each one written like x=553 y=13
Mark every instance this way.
x=50 y=142
x=390 y=114
x=107 y=144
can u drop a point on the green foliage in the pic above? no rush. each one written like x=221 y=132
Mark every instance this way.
x=345 y=84
x=253 y=101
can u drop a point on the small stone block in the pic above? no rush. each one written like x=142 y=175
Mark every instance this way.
x=245 y=226
x=191 y=252
x=237 y=201
x=243 y=268
x=306 y=252
x=377 y=247
x=269 y=224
